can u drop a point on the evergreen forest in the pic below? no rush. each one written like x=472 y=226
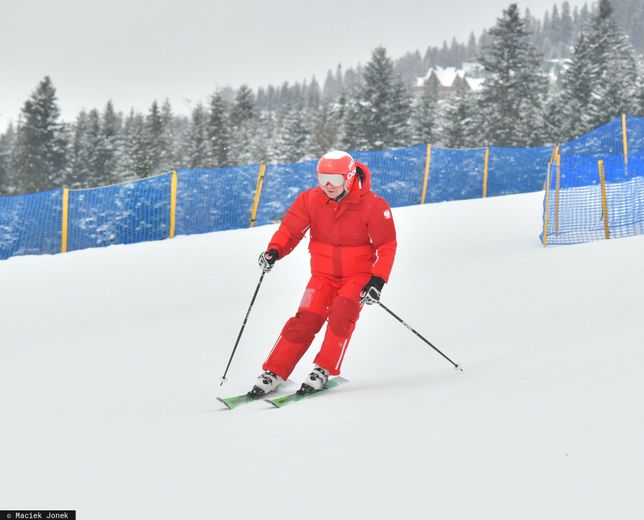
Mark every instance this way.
x=546 y=81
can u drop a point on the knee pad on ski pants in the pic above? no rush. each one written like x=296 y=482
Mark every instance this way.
x=343 y=316
x=303 y=327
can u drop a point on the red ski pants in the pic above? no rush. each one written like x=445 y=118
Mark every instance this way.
x=325 y=299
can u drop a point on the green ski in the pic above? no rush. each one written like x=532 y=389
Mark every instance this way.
x=284 y=400
x=238 y=400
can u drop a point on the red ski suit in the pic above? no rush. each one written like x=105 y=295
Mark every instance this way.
x=351 y=240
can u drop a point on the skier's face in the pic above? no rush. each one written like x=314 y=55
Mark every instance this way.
x=332 y=184
x=332 y=191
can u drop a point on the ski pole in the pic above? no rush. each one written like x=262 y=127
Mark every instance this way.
x=456 y=365
x=223 y=379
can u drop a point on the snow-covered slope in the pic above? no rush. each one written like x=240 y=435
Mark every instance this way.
x=111 y=360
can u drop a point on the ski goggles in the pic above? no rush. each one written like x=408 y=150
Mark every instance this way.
x=335 y=179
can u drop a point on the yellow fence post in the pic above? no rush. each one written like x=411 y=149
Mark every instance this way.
x=624 y=138
x=485 y=170
x=557 y=187
x=602 y=180
x=547 y=209
x=65 y=225
x=258 y=193
x=625 y=143
x=428 y=159
x=174 y=182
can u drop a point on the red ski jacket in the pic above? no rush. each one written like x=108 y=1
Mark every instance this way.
x=355 y=235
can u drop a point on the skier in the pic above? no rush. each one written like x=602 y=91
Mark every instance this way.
x=352 y=247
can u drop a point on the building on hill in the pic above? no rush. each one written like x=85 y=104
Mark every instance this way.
x=445 y=81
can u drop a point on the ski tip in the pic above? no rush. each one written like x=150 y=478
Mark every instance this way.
x=222 y=400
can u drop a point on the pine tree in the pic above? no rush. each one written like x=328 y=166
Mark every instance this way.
x=584 y=16
x=640 y=97
x=629 y=15
x=6 y=143
x=601 y=79
x=111 y=146
x=472 y=47
x=382 y=110
x=243 y=139
x=314 y=95
x=459 y=125
x=198 y=139
x=566 y=30
x=555 y=32
x=262 y=134
x=218 y=133
x=616 y=87
x=400 y=115
x=154 y=132
x=86 y=145
x=136 y=157
x=513 y=96
x=351 y=137
x=330 y=90
x=424 y=117
x=244 y=107
x=39 y=155
x=325 y=130
x=409 y=67
x=173 y=129
x=292 y=137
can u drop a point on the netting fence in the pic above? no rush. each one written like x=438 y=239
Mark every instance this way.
x=593 y=199
x=595 y=185
x=184 y=202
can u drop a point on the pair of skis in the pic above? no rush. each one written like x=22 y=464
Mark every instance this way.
x=282 y=400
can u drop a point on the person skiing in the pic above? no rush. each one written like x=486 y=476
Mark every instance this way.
x=352 y=246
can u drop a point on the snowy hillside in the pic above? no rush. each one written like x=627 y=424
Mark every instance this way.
x=111 y=360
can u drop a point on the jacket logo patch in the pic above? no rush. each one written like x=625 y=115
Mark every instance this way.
x=387 y=213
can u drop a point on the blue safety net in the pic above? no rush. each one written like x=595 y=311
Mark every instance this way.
x=220 y=199
x=396 y=175
x=31 y=224
x=635 y=135
x=282 y=183
x=122 y=214
x=455 y=174
x=215 y=200
x=575 y=208
x=604 y=141
x=517 y=170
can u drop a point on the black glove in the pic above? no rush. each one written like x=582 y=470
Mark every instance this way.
x=267 y=259
x=370 y=293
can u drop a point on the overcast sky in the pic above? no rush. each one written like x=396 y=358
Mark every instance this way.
x=135 y=51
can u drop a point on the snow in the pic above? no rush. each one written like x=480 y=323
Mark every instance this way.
x=111 y=360
x=475 y=84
